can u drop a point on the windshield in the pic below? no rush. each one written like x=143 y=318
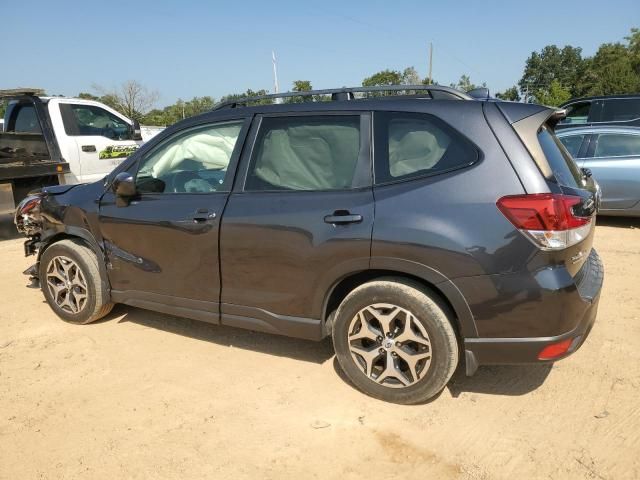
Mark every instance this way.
x=564 y=168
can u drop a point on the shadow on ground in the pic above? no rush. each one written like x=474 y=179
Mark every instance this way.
x=492 y=380
x=619 y=222
x=7 y=228
x=305 y=350
x=510 y=380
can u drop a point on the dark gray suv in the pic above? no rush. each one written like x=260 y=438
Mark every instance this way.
x=419 y=231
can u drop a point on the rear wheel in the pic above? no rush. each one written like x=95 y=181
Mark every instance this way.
x=394 y=341
x=71 y=282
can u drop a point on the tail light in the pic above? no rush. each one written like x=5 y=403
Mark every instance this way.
x=547 y=219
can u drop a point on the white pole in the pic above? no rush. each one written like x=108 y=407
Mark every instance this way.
x=276 y=88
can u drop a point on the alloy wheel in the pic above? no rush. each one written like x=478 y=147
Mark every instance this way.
x=66 y=284
x=391 y=347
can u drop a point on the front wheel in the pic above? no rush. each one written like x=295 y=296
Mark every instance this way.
x=394 y=341
x=71 y=282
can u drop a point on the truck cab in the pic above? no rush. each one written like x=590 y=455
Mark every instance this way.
x=49 y=140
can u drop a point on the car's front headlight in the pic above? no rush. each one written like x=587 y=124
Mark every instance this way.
x=27 y=217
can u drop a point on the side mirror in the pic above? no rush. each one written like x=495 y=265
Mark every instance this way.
x=137 y=133
x=124 y=186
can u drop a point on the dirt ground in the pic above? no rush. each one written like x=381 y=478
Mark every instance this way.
x=145 y=395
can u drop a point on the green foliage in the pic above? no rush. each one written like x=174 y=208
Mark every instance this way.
x=510 y=94
x=385 y=77
x=300 y=86
x=465 y=84
x=614 y=69
x=555 y=95
x=3 y=108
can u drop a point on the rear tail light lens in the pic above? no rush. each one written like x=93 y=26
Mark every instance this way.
x=547 y=219
x=555 y=350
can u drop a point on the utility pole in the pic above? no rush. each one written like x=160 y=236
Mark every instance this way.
x=430 y=62
x=276 y=87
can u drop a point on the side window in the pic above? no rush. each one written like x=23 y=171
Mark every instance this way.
x=413 y=145
x=577 y=114
x=617 y=145
x=89 y=120
x=26 y=120
x=191 y=161
x=621 y=110
x=305 y=153
x=572 y=143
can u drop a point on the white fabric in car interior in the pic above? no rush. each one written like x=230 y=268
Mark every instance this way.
x=212 y=148
x=309 y=157
x=415 y=145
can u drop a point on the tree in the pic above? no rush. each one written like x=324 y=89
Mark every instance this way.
x=410 y=76
x=465 y=84
x=382 y=78
x=565 y=65
x=132 y=98
x=613 y=70
x=510 y=94
x=555 y=95
x=249 y=93
x=300 y=86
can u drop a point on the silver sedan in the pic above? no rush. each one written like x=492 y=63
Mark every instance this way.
x=613 y=156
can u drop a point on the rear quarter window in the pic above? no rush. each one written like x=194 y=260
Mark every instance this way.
x=412 y=145
x=564 y=168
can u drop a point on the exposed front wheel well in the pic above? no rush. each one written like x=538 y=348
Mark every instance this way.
x=349 y=283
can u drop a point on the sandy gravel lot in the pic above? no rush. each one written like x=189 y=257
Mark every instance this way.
x=144 y=395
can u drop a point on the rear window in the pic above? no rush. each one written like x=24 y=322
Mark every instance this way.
x=26 y=120
x=564 y=168
x=621 y=110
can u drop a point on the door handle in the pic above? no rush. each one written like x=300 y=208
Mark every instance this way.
x=202 y=215
x=88 y=148
x=343 y=217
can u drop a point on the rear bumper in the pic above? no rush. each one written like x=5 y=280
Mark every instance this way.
x=507 y=351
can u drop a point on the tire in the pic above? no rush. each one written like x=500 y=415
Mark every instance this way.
x=380 y=355
x=70 y=266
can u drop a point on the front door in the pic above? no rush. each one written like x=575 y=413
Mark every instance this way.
x=299 y=219
x=163 y=246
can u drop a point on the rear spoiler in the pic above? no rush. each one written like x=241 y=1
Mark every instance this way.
x=528 y=128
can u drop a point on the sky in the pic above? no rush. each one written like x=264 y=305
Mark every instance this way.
x=196 y=48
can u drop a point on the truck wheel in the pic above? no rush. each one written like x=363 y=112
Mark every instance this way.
x=394 y=341
x=71 y=282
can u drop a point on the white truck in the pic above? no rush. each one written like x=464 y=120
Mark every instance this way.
x=58 y=140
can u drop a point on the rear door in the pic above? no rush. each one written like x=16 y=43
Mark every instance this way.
x=102 y=139
x=615 y=164
x=299 y=218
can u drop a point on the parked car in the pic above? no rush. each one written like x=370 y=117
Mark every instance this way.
x=417 y=231
x=612 y=154
x=618 y=110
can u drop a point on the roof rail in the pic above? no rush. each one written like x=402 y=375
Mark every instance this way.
x=348 y=93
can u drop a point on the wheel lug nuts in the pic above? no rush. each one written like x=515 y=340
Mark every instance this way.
x=381 y=350
x=394 y=354
x=398 y=344
x=379 y=339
